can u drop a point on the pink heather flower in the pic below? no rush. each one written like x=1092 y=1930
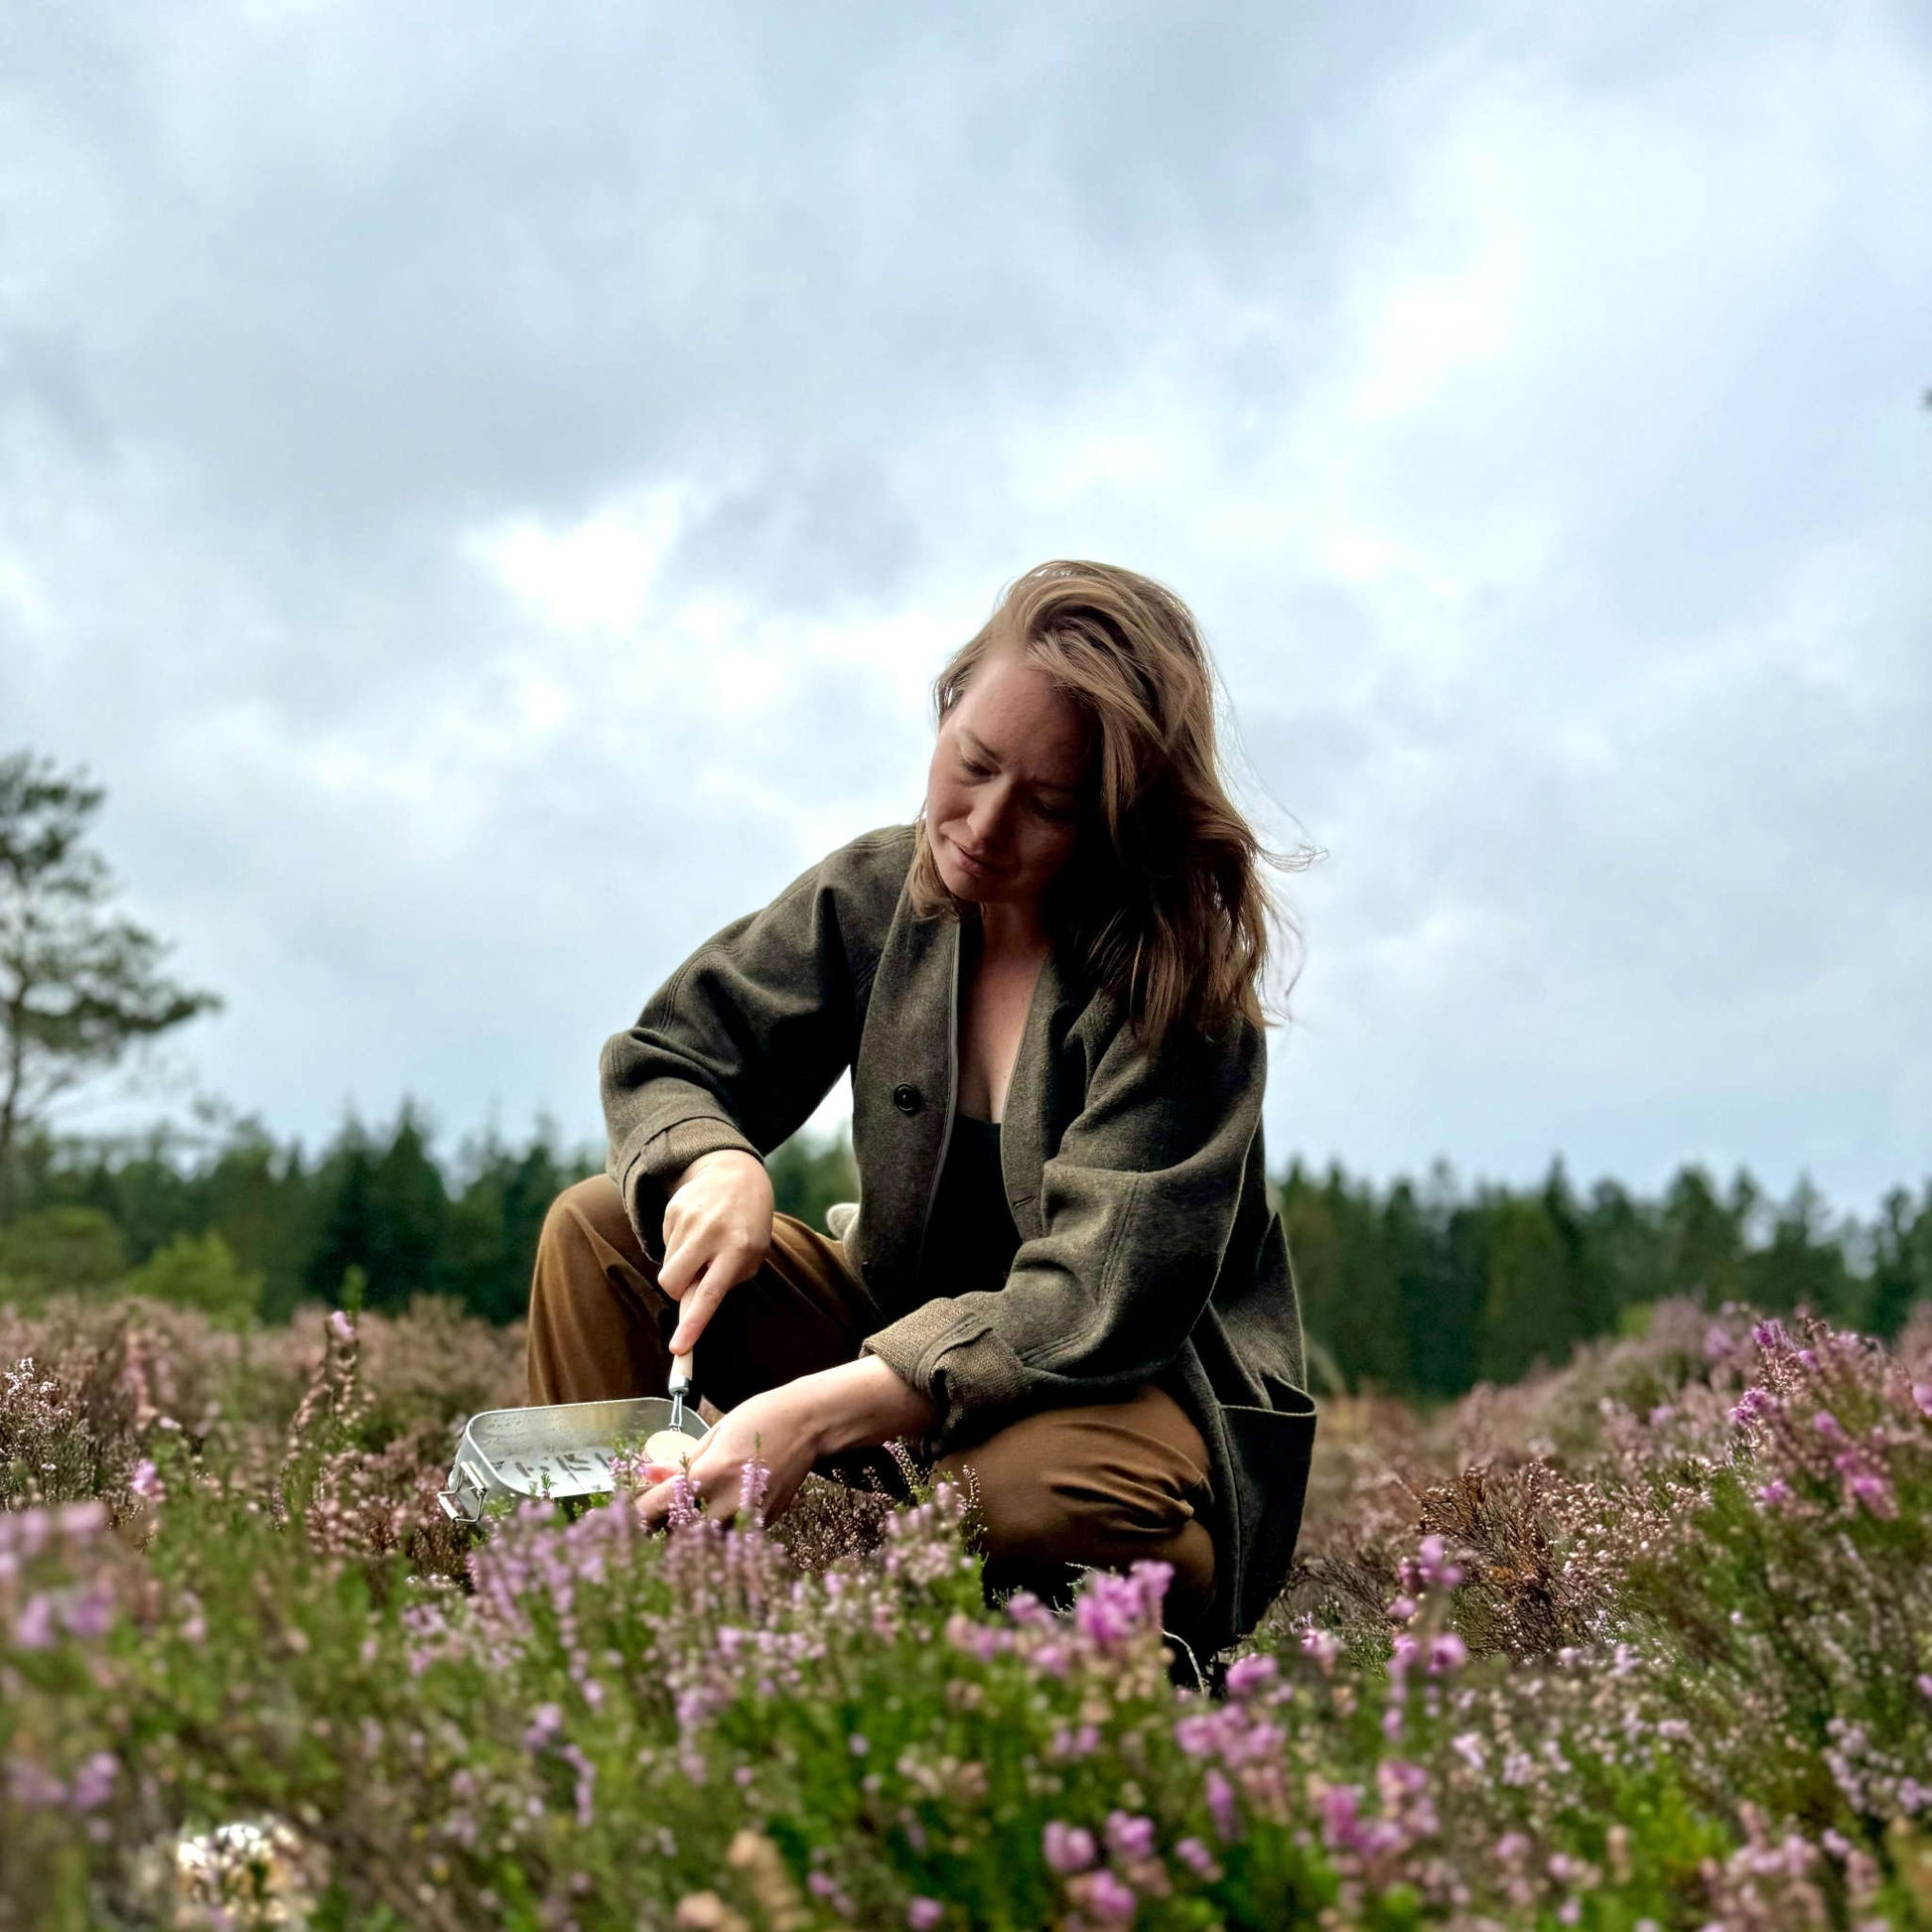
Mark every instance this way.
x=94 y=1783
x=1198 y=1858
x=1130 y=1837
x=1108 y=1609
x=1196 y=1735
x=341 y=1326
x=1446 y=1653
x=1717 y=1343
x=1754 y=1402
x=1923 y=1395
x=1875 y=1493
x=1661 y=1414
x=922 y=1915
x=1249 y=1673
x=34 y=1627
x=1323 y=1646
x=80 y=1521
x=1770 y=1335
x=858 y=1745
x=1775 y=1493
x=1340 y=1807
x=1221 y=1807
x=1828 y=1426
x=545 y=1723
x=1067 y=1847
x=146 y=1481
x=32 y=1786
x=89 y=1614
x=1925 y=1684
x=1401 y=1610
x=1110 y=1899
x=1467 y=1745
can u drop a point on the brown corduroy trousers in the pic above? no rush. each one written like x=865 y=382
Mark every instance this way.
x=1102 y=1485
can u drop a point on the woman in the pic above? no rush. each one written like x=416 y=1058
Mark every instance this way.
x=1064 y=1275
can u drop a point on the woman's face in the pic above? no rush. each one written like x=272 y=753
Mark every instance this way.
x=1008 y=783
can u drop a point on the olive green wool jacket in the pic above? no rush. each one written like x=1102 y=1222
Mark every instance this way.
x=1147 y=1249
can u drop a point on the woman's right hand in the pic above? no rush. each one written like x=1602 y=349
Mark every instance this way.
x=717 y=1233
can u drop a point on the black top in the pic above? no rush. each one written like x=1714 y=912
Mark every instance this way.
x=971 y=1239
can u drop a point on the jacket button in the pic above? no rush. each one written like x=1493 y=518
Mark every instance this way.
x=907 y=1099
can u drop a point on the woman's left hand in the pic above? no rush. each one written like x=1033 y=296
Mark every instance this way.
x=787 y=1429
x=776 y=1430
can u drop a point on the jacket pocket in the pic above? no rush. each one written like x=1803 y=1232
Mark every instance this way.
x=1270 y=1450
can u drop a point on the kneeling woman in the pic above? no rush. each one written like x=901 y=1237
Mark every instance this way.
x=1064 y=1274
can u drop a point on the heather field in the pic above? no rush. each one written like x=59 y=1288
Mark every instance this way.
x=1644 y=1642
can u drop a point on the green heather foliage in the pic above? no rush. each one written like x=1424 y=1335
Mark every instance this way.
x=1414 y=1290
x=1644 y=1642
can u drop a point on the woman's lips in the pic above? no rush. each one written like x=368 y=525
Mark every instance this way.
x=977 y=867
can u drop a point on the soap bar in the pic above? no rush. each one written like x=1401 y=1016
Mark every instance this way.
x=671 y=1446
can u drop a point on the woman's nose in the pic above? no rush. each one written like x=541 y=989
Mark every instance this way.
x=988 y=820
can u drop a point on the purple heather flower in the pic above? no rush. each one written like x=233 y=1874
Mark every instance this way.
x=1925 y=1684
x=93 y=1782
x=1110 y=1899
x=1770 y=1335
x=1221 y=1807
x=1401 y=1610
x=1067 y=1847
x=1130 y=1837
x=1447 y=1653
x=1108 y=1609
x=34 y=1627
x=1828 y=1426
x=858 y=1743
x=1248 y=1673
x=1323 y=1646
x=78 y=1521
x=1875 y=1493
x=341 y=1326
x=89 y=1615
x=1923 y=1395
x=1340 y=1807
x=922 y=1915
x=1197 y=1859
x=146 y=1481
x=1775 y=1493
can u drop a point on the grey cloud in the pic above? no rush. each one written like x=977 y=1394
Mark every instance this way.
x=1612 y=721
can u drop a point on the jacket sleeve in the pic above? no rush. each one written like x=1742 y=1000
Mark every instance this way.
x=738 y=1047
x=1139 y=1201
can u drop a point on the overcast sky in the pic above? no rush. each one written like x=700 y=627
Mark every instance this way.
x=486 y=487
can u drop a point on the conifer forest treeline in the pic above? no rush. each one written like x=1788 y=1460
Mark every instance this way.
x=1417 y=1289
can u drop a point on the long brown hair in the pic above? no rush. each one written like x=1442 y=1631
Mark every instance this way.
x=1163 y=898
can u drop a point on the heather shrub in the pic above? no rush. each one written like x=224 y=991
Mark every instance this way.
x=1636 y=1643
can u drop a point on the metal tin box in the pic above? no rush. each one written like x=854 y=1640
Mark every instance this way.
x=561 y=1449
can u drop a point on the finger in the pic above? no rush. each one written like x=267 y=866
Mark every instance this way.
x=698 y=1305
x=682 y=1260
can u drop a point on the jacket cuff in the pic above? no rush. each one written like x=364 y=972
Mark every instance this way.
x=647 y=1170
x=968 y=1373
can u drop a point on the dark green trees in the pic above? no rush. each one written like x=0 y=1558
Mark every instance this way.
x=78 y=986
